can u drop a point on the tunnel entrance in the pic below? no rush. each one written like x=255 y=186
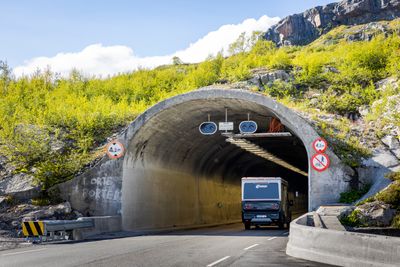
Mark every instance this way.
x=175 y=176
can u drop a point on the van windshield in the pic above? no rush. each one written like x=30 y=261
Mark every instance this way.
x=260 y=191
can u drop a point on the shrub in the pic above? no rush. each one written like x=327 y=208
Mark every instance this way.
x=391 y=195
x=352 y=219
x=396 y=221
x=353 y=194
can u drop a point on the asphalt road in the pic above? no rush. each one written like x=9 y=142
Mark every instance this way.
x=228 y=245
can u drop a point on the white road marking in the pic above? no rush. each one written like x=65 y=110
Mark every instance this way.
x=218 y=261
x=285 y=233
x=272 y=238
x=21 y=252
x=252 y=246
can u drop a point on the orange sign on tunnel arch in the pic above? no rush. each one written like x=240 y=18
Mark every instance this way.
x=115 y=149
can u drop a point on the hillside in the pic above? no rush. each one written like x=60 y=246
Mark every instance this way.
x=345 y=83
x=303 y=28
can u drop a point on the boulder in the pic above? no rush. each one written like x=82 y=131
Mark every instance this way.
x=21 y=186
x=256 y=81
x=381 y=158
x=268 y=78
x=366 y=32
x=384 y=84
x=57 y=212
x=303 y=28
x=375 y=213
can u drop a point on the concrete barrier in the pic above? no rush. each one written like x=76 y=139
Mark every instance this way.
x=102 y=225
x=340 y=247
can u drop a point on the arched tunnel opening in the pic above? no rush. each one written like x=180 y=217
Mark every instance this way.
x=175 y=176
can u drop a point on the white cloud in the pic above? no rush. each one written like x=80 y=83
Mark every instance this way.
x=102 y=60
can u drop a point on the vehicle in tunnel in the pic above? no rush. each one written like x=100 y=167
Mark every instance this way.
x=265 y=201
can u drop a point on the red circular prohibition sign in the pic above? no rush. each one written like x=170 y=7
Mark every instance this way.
x=320 y=145
x=320 y=162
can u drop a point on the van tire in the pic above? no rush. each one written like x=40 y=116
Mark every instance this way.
x=247 y=226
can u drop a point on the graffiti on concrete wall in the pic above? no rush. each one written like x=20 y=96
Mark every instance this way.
x=103 y=189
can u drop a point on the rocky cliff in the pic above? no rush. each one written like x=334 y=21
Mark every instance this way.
x=303 y=28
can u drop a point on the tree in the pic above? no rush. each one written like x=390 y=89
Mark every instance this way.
x=244 y=43
x=176 y=61
x=5 y=75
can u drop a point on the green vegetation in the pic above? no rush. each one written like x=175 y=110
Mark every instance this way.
x=391 y=195
x=352 y=220
x=353 y=194
x=39 y=112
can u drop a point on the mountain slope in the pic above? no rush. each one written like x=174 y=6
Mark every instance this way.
x=303 y=28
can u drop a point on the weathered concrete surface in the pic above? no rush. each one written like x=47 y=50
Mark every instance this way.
x=97 y=191
x=102 y=225
x=160 y=197
x=340 y=247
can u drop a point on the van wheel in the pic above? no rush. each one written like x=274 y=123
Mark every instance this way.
x=281 y=225
x=247 y=226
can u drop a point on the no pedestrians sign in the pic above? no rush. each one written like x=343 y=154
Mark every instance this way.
x=320 y=162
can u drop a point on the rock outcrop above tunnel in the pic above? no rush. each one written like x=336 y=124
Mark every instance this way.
x=303 y=28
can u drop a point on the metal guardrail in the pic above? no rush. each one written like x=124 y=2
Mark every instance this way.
x=66 y=225
x=48 y=230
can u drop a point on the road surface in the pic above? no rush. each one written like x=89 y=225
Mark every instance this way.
x=228 y=245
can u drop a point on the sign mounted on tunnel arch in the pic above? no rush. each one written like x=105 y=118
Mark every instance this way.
x=320 y=162
x=115 y=149
x=320 y=145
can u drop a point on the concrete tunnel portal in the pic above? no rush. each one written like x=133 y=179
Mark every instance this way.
x=175 y=176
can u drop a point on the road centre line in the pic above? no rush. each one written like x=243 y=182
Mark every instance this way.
x=218 y=261
x=252 y=246
x=21 y=252
x=272 y=238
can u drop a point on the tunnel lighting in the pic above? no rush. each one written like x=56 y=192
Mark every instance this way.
x=261 y=152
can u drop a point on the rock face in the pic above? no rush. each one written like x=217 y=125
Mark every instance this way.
x=267 y=78
x=20 y=186
x=12 y=218
x=303 y=28
x=375 y=214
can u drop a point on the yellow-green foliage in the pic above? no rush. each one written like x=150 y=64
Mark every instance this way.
x=38 y=111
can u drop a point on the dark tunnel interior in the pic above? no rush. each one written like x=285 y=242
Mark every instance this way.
x=190 y=178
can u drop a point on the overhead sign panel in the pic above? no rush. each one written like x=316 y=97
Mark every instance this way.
x=226 y=126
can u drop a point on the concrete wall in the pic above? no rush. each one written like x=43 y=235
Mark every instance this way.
x=97 y=191
x=340 y=247
x=160 y=198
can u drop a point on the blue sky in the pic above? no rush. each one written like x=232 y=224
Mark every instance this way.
x=40 y=28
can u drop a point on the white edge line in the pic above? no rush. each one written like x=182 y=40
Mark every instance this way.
x=272 y=238
x=21 y=252
x=252 y=246
x=218 y=261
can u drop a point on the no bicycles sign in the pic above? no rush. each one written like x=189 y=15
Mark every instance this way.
x=320 y=162
x=115 y=149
